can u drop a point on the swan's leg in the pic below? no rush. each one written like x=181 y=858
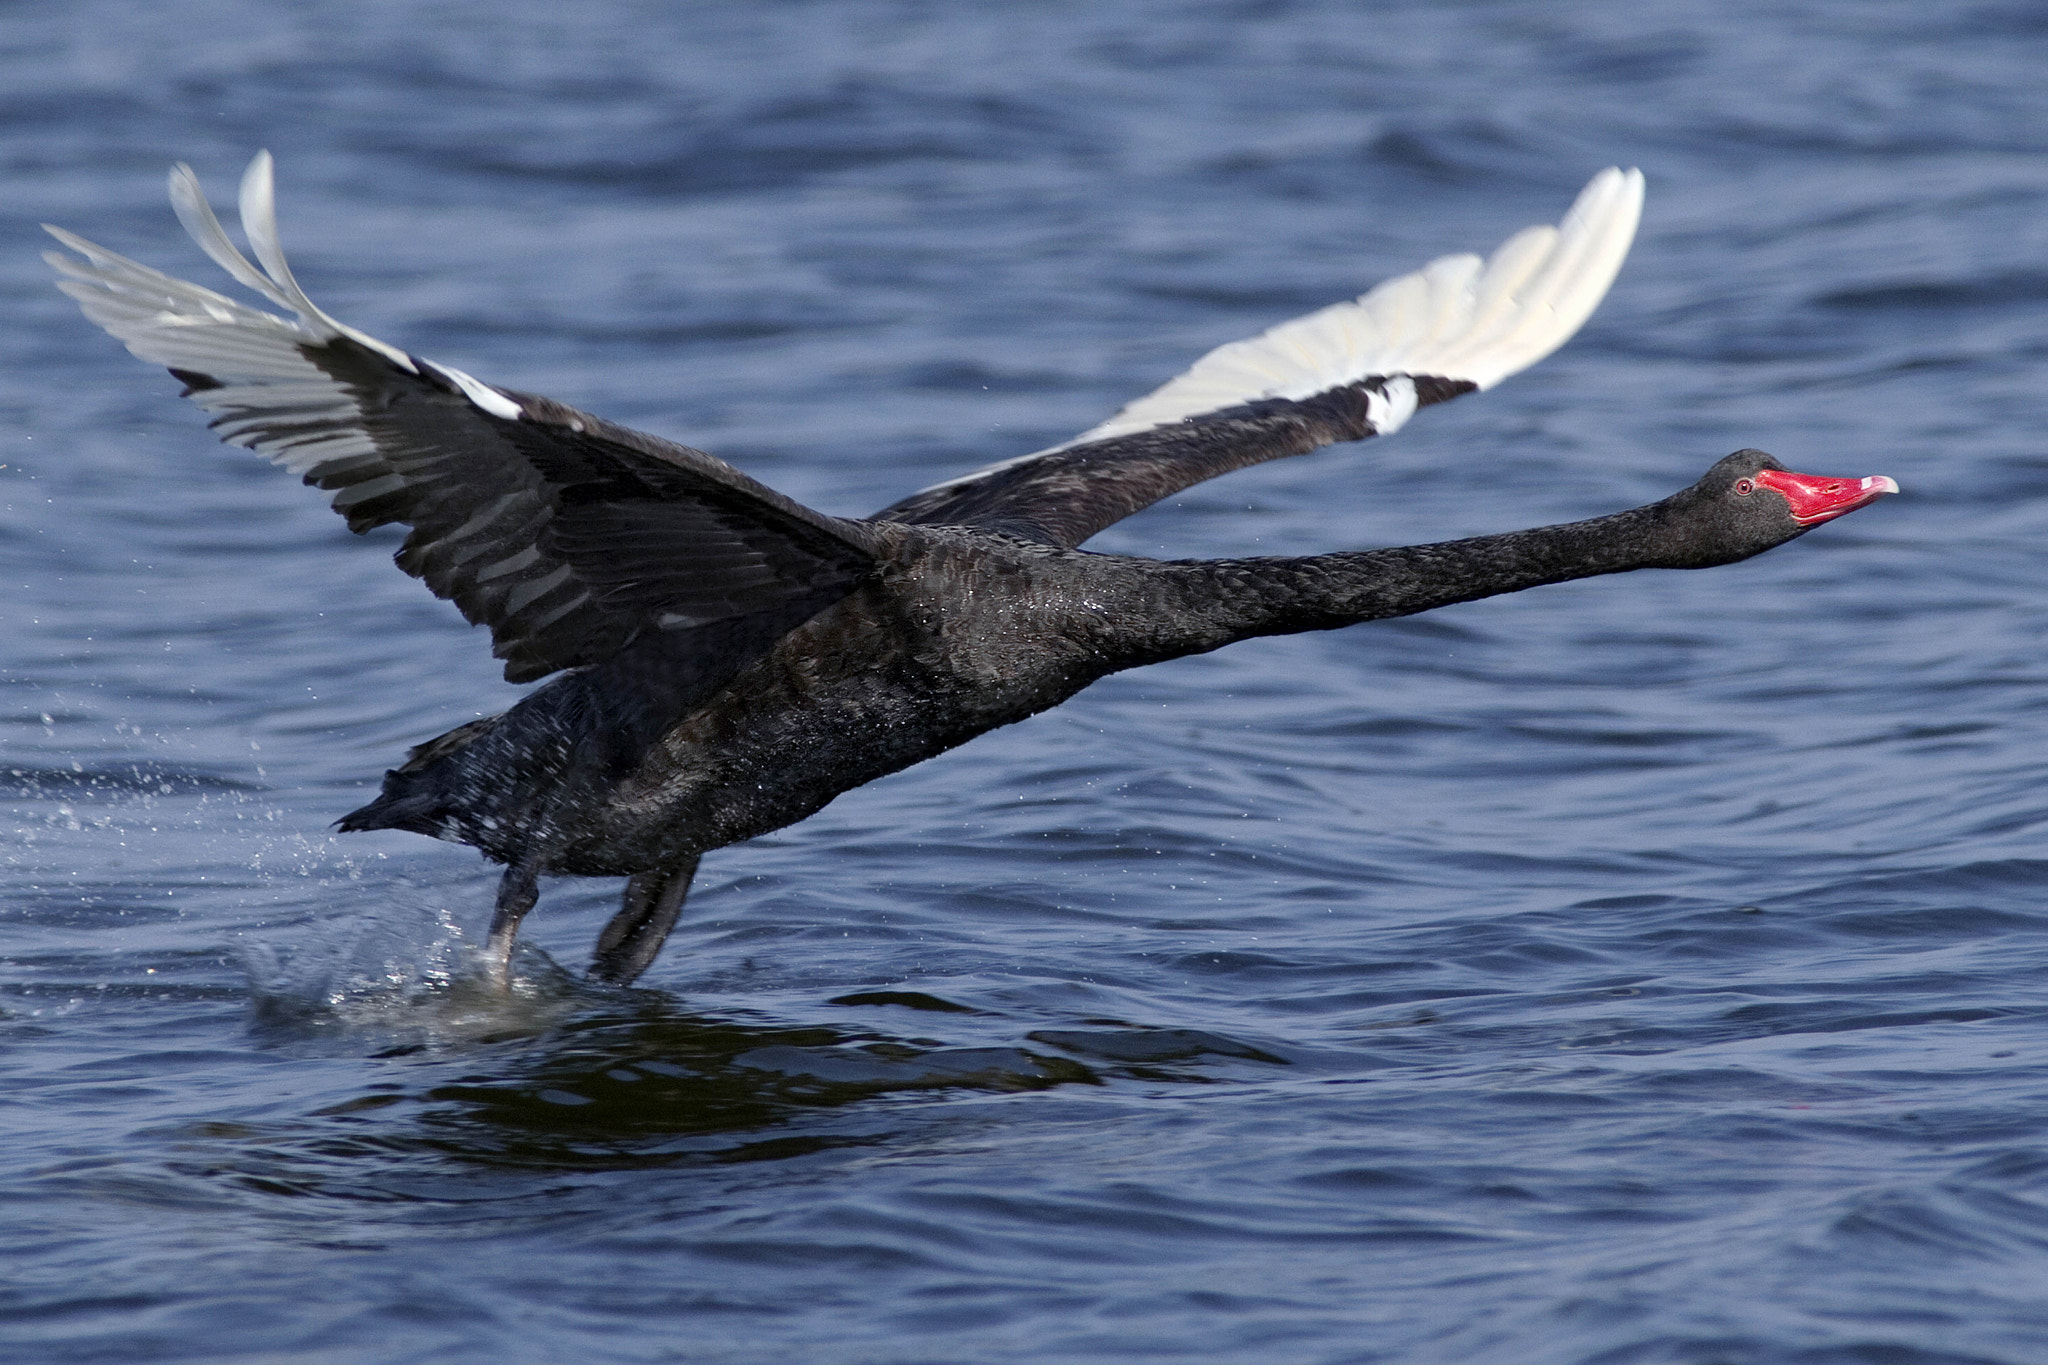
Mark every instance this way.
x=517 y=892
x=630 y=942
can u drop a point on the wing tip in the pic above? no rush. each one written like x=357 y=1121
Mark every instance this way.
x=1592 y=243
x=1523 y=302
x=256 y=205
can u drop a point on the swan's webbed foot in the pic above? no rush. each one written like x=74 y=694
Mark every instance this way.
x=634 y=936
x=517 y=892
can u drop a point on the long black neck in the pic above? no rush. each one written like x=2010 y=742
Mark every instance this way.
x=1209 y=603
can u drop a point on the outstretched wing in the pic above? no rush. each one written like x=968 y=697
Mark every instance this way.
x=568 y=536
x=1349 y=371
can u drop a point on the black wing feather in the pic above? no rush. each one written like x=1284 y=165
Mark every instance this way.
x=1067 y=494
x=564 y=534
x=568 y=536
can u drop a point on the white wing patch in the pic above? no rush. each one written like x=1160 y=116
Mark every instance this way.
x=1389 y=407
x=481 y=394
x=1457 y=318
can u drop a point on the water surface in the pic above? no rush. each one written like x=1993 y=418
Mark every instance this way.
x=1644 y=969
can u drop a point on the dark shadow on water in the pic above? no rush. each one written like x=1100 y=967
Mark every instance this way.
x=658 y=1086
x=449 y=1078
x=562 y=1075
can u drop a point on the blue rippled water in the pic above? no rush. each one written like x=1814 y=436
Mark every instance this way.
x=1639 y=970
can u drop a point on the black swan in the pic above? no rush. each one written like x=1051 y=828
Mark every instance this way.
x=731 y=660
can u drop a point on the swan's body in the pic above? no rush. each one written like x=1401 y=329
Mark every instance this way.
x=732 y=660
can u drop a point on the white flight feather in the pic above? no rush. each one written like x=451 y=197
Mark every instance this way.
x=1457 y=318
x=253 y=354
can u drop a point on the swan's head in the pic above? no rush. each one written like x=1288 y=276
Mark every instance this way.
x=1749 y=502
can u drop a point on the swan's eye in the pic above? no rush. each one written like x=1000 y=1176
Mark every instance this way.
x=1745 y=486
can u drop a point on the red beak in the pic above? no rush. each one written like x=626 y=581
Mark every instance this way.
x=1816 y=498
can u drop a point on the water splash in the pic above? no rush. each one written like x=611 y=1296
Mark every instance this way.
x=403 y=978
